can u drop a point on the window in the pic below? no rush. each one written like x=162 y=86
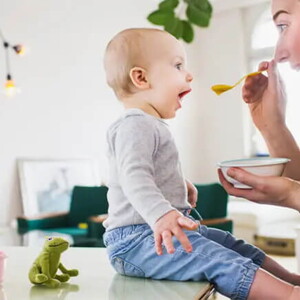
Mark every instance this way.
x=262 y=45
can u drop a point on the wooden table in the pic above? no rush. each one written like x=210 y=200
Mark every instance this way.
x=97 y=280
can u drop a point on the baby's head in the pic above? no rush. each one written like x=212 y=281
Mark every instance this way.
x=128 y=49
x=149 y=63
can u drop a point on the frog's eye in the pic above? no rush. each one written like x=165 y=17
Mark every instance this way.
x=50 y=239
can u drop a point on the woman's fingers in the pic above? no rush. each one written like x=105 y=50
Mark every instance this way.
x=273 y=75
x=230 y=189
x=263 y=66
x=227 y=185
x=257 y=184
x=244 y=177
x=254 y=86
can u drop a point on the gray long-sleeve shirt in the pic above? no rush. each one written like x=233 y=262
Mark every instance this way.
x=145 y=180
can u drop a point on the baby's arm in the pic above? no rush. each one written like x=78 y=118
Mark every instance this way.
x=171 y=224
x=134 y=145
x=192 y=193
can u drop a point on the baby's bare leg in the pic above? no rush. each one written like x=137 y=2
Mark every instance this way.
x=279 y=271
x=268 y=287
x=296 y=293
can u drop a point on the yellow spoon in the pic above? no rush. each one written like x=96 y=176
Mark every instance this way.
x=221 y=88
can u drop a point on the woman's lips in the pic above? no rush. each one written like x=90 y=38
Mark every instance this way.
x=296 y=67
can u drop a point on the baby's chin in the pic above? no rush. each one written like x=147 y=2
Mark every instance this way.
x=169 y=116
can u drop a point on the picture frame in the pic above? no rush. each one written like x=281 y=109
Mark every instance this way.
x=46 y=184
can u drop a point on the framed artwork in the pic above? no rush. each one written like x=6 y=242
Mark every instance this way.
x=46 y=184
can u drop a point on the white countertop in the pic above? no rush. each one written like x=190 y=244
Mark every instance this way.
x=96 y=279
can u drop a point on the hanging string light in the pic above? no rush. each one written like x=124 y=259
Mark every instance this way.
x=9 y=86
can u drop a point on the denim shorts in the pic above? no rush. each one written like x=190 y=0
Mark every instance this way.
x=217 y=257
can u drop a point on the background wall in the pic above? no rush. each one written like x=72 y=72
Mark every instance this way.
x=65 y=106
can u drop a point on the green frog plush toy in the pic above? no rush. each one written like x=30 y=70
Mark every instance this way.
x=44 y=268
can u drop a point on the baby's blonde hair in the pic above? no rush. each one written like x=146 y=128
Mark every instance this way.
x=125 y=51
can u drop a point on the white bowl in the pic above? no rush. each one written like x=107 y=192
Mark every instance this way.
x=265 y=166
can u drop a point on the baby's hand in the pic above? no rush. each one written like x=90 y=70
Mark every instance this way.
x=171 y=224
x=192 y=193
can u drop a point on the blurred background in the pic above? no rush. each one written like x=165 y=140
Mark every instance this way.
x=64 y=106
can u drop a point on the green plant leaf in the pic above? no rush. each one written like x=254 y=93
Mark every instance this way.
x=174 y=26
x=160 y=17
x=197 y=16
x=168 y=4
x=187 y=31
x=198 y=12
x=203 y=5
x=210 y=8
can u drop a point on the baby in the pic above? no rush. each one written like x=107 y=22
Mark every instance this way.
x=149 y=199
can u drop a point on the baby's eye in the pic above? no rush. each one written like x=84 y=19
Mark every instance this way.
x=281 y=27
x=50 y=239
x=178 y=66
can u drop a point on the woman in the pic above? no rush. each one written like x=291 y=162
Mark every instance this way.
x=267 y=102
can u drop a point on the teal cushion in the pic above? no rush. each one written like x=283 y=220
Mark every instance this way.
x=69 y=230
x=25 y=225
x=212 y=201
x=87 y=201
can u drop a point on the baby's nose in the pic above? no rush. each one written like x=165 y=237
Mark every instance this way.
x=189 y=77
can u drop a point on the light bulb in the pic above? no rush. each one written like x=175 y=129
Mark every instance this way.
x=20 y=49
x=10 y=88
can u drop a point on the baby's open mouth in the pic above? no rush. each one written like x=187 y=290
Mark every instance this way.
x=182 y=94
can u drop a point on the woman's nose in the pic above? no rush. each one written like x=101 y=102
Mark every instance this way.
x=281 y=53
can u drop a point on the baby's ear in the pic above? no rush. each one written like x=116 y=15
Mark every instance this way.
x=138 y=78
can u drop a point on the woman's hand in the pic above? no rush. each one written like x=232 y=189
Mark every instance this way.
x=266 y=98
x=192 y=193
x=279 y=191
x=267 y=103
